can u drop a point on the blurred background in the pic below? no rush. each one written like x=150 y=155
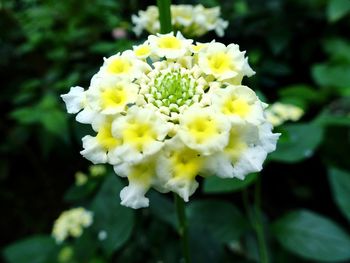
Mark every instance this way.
x=300 y=50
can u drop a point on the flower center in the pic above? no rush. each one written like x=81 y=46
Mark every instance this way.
x=105 y=137
x=113 y=98
x=169 y=42
x=219 y=62
x=119 y=66
x=173 y=90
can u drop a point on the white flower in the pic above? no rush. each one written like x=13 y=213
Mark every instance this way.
x=182 y=15
x=220 y=26
x=182 y=114
x=190 y=20
x=71 y=223
x=238 y=102
x=169 y=45
x=142 y=132
x=204 y=130
x=141 y=177
x=76 y=102
x=74 y=99
x=124 y=65
x=245 y=153
x=142 y=51
x=279 y=113
x=178 y=167
x=111 y=96
x=103 y=147
x=146 y=20
x=224 y=63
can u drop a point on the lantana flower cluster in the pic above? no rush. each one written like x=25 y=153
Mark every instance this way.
x=278 y=113
x=192 y=21
x=170 y=110
x=71 y=223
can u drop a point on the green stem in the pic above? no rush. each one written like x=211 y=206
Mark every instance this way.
x=258 y=224
x=254 y=216
x=164 y=16
x=166 y=27
x=183 y=227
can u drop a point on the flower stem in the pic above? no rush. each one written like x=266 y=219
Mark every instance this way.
x=258 y=224
x=166 y=27
x=164 y=16
x=254 y=216
x=183 y=227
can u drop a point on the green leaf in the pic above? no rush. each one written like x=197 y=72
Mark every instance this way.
x=337 y=76
x=338 y=49
x=162 y=208
x=85 y=246
x=55 y=122
x=36 y=249
x=25 y=115
x=298 y=141
x=204 y=247
x=312 y=236
x=214 y=184
x=117 y=221
x=78 y=193
x=223 y=220
x=337 y=9
x=300 y=94
x=326 y=118
x=48 y=114
x=340 y=185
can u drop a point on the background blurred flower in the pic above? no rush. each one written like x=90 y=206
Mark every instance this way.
x=279 y=113
x=119 y=33
x=192 y=21
x=71 y=224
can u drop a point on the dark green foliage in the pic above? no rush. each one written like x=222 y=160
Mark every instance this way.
x=36 y=249
x=301 y=53
x=215 y=184
x=312 y=236
x=115 y=220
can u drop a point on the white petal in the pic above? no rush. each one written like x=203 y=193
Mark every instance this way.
x=251 y=161
x=74 y=99
x=133 y=196
x=218 y=164
x=184 y=188
x=93 y=151
x=267 y=138
x=86 y=116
